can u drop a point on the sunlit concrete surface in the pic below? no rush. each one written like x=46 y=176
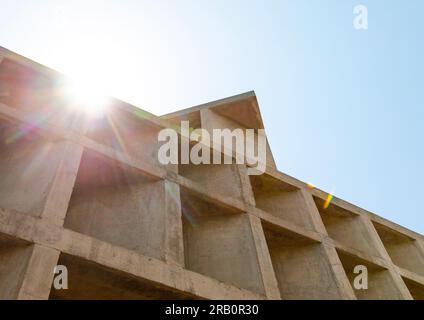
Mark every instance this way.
x=88 y=192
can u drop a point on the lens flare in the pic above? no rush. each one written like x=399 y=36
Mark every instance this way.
x=328 y=200
x=86 y=98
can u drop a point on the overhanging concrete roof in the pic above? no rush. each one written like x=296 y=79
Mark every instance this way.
x=242 y=108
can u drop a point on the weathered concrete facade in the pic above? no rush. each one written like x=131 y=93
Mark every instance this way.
x=90 y=194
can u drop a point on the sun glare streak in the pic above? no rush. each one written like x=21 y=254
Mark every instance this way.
x=37 y=161
x=117 y=135
x=189 y=211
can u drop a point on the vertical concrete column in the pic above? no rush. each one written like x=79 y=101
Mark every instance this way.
x=61 y=189
x=420 y=245
x=39 y=274
x=345 y=289
x=246 y=187
x=313 y=212
x=398 y=281
x=265 y=264
x=205 y=121
x=174 y=251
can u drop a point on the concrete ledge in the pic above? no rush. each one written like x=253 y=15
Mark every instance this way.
x=37 y=231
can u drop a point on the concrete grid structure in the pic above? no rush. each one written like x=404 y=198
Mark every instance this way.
x=90 y=194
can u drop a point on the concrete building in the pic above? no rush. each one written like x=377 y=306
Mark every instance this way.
x=90 y=194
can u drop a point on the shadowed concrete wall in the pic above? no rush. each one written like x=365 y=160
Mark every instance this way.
x=280 y=199
x=126 y=133
x=404 y=251
x=27 y=168
x=380 y=283
x=222 y=247
x=416 y=289
x=14 y=258
x=300 y=267
x=215 y=178
x=346 y=228
x=131 y=217
x=88 y=280
x=110 y=204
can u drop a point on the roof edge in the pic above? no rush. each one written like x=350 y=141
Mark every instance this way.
x=215 y=103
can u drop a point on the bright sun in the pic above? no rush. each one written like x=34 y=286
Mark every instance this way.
x=86 y=97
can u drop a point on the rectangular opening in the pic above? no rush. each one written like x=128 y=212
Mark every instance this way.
x=416 y=289
x=218 y=243
x=346 y=227
x=402 y=249
x=213 y=120
x=378 y=284
x=300 y=265
x=280 y=199
x=14 y=259
x=216 y=178
x=91 y=281
x=126 y=132
x=193 y=118
x=28 y=163
x=118 y=204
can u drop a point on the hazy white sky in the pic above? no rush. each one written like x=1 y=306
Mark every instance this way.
x=343 y=108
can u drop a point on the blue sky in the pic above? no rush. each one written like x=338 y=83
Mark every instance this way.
x=343 y=108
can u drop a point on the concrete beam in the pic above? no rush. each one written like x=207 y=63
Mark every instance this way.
x=216 y=198
x=399 y=283
x=58 y=132
x=345 y=289
x=420 y=245
x=39 y=274
x=246 y=187
x=377 y=260
x=313 y=212
x=265 y=264
x=174 y=251
x=60 y=193
x=285 y=224
x=342 y=282
x=48 y=235
x=410 y=275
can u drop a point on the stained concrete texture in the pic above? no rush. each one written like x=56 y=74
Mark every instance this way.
x=222 y=247
x=300 y=266
x=380 y=284
x=346 y=228
x=89 y=193
x=215 y=178
x=88 y=281
x=118 y=205
x=403 y=250
x=416 y=289
x=14 y=258
x=25 y=177
x=126 y=132
x=280 y=199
